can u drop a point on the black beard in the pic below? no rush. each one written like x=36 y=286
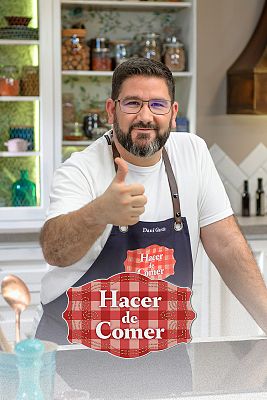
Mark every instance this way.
x=147 y=150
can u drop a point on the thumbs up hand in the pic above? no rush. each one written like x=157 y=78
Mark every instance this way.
x=122 y=204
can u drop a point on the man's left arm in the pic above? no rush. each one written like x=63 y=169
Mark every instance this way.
x=229 y=252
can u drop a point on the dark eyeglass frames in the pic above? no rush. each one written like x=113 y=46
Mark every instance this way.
x=133 y=106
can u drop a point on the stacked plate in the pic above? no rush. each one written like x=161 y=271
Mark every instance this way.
x=18 y=29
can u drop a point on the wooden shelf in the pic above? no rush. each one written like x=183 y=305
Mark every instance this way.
x=75 y=143
x=19 y=154
x=143 y=5
x=19 y=42
x=19 y=98
x=110 y=73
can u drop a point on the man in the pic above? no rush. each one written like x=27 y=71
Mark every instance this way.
x=162 y=190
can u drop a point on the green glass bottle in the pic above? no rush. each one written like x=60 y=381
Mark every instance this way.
x=23 y=191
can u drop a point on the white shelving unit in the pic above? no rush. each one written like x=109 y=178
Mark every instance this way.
x=13 y=42
x=185 y=81
x=14 y=219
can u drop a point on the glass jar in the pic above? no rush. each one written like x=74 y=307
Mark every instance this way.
x=174 y=56
x=121 y=51
x=101 y=59
x=150 y=46
x=75 y=52
x=9 y=81
x=68 y=108
x=30 y=81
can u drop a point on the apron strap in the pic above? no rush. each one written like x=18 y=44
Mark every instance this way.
x=174 y=190
x=172 y=184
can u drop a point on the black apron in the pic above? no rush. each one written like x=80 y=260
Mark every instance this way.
x=172 y=233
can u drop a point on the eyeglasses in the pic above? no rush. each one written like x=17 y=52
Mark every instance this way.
x=133 y=106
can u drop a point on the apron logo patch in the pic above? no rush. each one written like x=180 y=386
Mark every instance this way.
x=129 y=315
x=154 y=262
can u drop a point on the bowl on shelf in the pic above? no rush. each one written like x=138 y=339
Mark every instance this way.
x=18 y=21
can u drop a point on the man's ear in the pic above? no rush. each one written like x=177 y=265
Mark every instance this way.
x=175 y=109
x=110 y=108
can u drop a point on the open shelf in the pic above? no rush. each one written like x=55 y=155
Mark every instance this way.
x=143 y=5
x=110 y=73
x=18 y=42
x=19 y=98
x=19 y=153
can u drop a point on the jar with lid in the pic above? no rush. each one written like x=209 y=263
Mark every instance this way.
x=150 y=46
x=101 y=60
x=174 y=56
x=68 y=108
x=121 y=51
x=75 y=52
x=9 y=81
x=30 y=81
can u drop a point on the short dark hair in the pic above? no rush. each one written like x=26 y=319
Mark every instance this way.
x=142 y=67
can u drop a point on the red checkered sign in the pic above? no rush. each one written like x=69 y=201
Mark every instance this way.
x=129 y=315
x=155 y=262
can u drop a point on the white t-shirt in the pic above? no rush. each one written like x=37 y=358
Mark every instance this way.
x=87 y=174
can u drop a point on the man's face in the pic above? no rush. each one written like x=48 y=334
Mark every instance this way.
x=144 y=133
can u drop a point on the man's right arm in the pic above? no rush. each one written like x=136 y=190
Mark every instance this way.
x=67 y=238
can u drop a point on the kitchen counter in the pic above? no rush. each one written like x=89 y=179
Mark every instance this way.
x=225 y=370
x=253 y=227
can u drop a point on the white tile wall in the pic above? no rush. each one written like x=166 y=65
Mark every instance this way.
x=254 y=166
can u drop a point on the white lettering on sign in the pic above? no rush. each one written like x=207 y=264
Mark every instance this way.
x=152 y=272
x=126 y=302
x=148 y=258
x=129 y=333
x=152 y=230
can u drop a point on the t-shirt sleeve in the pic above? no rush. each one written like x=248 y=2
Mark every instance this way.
x=70 y=191
x=214 y=203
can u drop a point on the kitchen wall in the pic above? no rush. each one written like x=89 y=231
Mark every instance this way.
x=236 y=141
x=224 y=28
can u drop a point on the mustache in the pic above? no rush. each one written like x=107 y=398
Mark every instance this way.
x=141 y=124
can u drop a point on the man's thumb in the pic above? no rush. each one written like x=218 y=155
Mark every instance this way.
x=122 y=170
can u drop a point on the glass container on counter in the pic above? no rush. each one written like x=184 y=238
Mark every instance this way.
x=9 y=80
x=75 y=52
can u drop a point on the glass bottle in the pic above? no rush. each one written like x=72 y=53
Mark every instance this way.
x=29 y=361
x=260 y=199
x=245 y=200
x=23 y=191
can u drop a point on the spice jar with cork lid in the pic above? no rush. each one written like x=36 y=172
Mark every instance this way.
x=75 y=52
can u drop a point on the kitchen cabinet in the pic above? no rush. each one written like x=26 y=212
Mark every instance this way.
x=30 y=114
x=226 y=315
x=116 y=20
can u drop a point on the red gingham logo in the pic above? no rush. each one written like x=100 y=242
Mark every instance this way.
x=129 y=315
x=155 y=262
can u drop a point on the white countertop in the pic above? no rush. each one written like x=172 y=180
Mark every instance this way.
x=228 y=369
